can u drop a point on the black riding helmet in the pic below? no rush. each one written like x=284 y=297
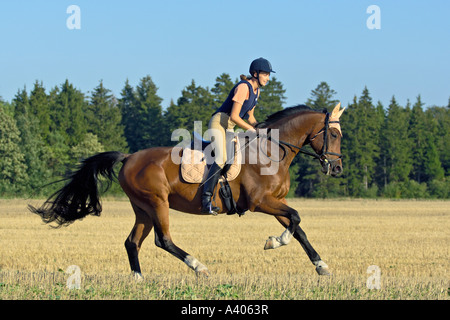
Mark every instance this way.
x=259 y=65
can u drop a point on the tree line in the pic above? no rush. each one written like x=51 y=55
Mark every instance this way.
x=394 y=151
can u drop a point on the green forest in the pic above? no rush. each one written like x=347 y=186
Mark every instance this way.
x=390 y=151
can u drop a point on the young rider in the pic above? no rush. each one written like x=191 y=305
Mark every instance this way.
x=238 y=106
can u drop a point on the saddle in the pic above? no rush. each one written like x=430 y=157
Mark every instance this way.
x=194 y=168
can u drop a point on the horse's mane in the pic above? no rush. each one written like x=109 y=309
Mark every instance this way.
x=285 y=113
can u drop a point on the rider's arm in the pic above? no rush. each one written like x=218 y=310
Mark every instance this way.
x=251 y=118
x=240 y=95
x=237 y=119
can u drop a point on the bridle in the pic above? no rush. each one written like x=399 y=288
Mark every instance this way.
x=325 y=162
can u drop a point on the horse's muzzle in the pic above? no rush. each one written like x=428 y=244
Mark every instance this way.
x=336 y=170
x=331 y=167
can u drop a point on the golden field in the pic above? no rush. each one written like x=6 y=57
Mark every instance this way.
x=408 y=240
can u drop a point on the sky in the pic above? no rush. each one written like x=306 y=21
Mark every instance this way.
x=177 y=41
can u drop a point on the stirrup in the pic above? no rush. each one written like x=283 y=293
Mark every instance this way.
x=213 y=210
x=210 y=209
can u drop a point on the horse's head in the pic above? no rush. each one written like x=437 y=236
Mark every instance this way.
x=326 y=142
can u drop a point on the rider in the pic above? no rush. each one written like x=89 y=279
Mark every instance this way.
x=238 y=106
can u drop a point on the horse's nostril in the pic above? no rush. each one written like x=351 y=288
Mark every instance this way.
x=338 y=169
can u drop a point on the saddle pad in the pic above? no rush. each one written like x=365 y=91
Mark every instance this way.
x=194 y=169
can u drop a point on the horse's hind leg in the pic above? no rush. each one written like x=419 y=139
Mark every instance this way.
x=164 y=240
x=140 y=231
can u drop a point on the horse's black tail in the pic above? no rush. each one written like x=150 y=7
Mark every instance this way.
x=80 y=196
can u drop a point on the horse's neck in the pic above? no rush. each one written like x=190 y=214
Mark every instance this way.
x=296 y=130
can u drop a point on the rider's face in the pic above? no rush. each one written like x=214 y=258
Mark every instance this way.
x=264 y=77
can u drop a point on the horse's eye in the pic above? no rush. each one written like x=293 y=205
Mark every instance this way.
x=334 y=135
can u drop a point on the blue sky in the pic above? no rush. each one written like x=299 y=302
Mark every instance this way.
x=176 y=41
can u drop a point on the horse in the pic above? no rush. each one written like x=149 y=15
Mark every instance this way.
x=152 y=182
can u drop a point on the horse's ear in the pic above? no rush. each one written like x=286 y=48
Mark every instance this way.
x=335 y=117
x=336 y=114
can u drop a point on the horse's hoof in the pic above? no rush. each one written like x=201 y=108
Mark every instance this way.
x=270 y=243
x=138 y=276
x=323 y=271
x=322 y=268
x=204 y=273
x=273 y=243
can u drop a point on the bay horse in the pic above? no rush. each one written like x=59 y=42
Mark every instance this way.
x=153 y=184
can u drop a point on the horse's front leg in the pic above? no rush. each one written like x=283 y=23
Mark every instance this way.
x=299 y=234
x=278 y=208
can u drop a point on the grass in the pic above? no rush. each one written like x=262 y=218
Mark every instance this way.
x=408 y=240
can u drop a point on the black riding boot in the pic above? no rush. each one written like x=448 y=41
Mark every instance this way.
x=208 y=189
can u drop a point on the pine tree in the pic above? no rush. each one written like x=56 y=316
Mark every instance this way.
x=396 y=144
x=360 y=146
x=417 y=131
x=104 y=118
x=433 y=168
x=173 y=119
x=221 y=89
x=195 y=104
x=322 y=97
x=32 y=146
x=142 y=115
x=148 y=104
x=369 y=136
x=21 y=102
x=442 y=136
x=380 y=171
x=68 y=108
x=39 y=107
x=13 y=176
x=129 y=114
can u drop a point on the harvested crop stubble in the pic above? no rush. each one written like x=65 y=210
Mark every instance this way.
x=408 y=240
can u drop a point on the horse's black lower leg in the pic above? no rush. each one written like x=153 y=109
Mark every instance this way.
x=300 y=236
x=140 y=231
x=164 y=241
x=132 y=252
x=167 y=244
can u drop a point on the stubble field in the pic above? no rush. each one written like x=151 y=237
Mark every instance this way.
x=408 y=240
